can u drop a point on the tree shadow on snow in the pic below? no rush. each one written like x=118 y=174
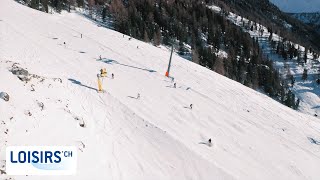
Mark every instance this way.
x=315 y=107
x=80 y=84
x=309 y=86
x=111 y=61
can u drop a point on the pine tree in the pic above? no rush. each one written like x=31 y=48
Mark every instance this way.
x=121 y=15
x=278 y=48
x=157 y=37
x=34 y=4
x=104 y=14
x=219 y=66
x=305 y=57
x=146 y=36
x=195 y=56
x=318 y=76
x=91 y=4
x=271 y=35
x=297 y=104
x=45 y=5
x=291 y=52
x=57 y=4
x=295 y=52
x=290 y=99
x=299 y=59
x=305 y=74
x=292 y=80
x=182 y=50
x=80 y=3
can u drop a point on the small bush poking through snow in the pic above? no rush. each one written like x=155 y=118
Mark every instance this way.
x=4 y=96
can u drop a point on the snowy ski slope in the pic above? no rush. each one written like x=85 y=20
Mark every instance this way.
x=154 y=137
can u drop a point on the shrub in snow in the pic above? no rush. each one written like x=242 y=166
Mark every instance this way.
x=3 y=171
x=4 y=96
x=21 y=73
x=41 y=105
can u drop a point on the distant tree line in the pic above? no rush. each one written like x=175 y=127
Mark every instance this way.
x=57 y=5
x=267 y=14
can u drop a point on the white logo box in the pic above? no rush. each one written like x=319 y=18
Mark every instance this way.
x=41 y=160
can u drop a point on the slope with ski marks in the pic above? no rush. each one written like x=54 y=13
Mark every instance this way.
x=154 y=137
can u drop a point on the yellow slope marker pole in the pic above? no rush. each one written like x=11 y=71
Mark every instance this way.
x=99 y=84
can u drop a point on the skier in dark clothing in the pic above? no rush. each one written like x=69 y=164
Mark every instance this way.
x=138 y=96
x=209 y=142
x=191 y=106
x=112 y=76
x=174 y=85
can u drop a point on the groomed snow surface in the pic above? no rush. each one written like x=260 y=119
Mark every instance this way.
x=154 y=137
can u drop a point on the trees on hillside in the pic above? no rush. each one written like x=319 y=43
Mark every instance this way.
x=192 y=23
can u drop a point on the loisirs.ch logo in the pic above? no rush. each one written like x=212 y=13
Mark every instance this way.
x=41 y=160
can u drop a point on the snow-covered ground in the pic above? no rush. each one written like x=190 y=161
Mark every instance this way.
x=154 y=137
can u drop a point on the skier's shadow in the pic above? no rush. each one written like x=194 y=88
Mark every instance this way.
x=205 y=143
x=132 y=97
